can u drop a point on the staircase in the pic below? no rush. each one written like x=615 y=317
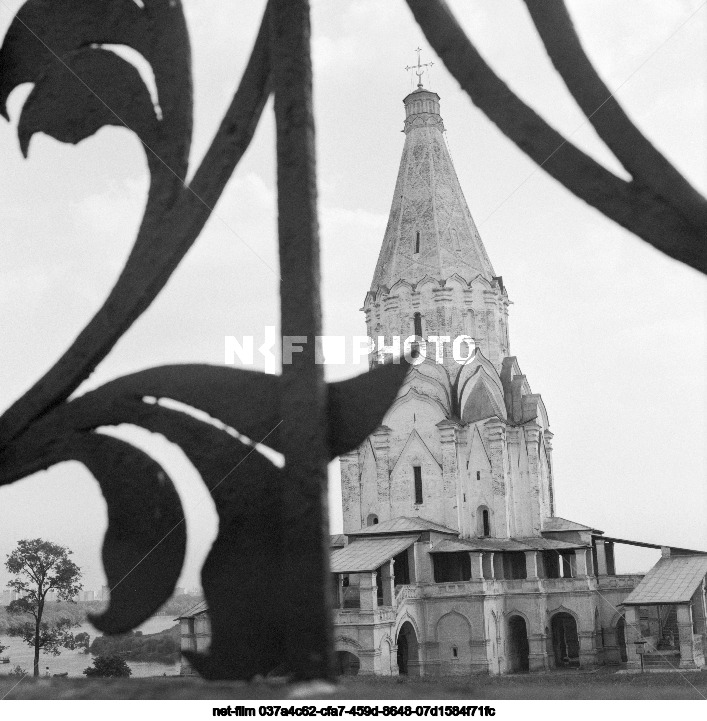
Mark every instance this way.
x=661 y=660
x=667 y=655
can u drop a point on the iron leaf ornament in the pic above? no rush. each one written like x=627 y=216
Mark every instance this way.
x=80 y=86
x=272 y=520
x=64 y=107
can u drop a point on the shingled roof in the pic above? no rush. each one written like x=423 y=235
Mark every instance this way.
x=672 y=580
x=337 y=540
x=555 y=524
x=194 y=610
x=368 y=554
x=403 y=524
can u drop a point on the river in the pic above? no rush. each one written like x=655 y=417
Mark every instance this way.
x=76 y=661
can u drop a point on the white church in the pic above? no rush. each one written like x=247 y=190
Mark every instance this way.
x=452 y=559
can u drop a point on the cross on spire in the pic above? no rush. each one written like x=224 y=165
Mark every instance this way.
x=419 y=67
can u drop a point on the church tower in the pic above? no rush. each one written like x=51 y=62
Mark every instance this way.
x=433 y=276
x=466 y=445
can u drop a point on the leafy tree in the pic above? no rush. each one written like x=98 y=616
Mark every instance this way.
x=83 y=641
x=108 y=667
x=41 y=566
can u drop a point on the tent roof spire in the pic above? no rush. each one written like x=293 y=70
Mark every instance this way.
x=430 y=230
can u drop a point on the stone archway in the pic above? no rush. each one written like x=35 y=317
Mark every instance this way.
x=408 y=662
x=565 y=640
x=347 y=663
x=621 y=639
x=518 y=646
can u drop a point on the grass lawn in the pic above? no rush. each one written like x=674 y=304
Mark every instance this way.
x=578 y=685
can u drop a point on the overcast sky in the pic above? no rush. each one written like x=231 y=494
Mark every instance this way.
x=608 y=330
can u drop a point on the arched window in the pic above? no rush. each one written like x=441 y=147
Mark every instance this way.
x=417 y=323
x=417 y=241
x=417 y=329
x=372 y=519
x=455 y=241
x=483 y=521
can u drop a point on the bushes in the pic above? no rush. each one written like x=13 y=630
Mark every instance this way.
x=108 y=667
x=159 y=647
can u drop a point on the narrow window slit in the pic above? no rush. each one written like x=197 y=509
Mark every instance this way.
x=417 y=472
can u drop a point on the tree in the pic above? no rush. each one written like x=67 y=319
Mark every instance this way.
x=108 y=667
x=41 y=566
x=82 y=640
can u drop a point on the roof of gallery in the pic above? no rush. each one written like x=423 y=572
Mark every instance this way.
x=556 y=524
x=368 y=554
x=195 y=610
x=672 y=580
x=403 y=524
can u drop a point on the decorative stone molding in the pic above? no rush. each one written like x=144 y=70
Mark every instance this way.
x=391 y=304
x=347 y=641
x=495 y=432
x=381 y=445
x=513 y=435
x=448 y=430
x=532 y=433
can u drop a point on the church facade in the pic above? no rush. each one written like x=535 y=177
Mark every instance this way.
x=453 y=559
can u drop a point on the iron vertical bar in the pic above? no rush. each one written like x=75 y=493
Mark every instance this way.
x=303 y=401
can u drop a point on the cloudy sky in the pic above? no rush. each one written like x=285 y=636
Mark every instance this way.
x=608 y=330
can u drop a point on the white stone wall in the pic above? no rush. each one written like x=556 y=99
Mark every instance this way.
x=449 y=307
x=489 y=463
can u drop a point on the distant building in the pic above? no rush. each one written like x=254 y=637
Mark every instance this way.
x=195 y=633
x=8 y=597
x=87 y=596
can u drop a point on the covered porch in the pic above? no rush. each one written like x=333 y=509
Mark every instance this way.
x=510 y=559
x=666 y=615
x=367 y=571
